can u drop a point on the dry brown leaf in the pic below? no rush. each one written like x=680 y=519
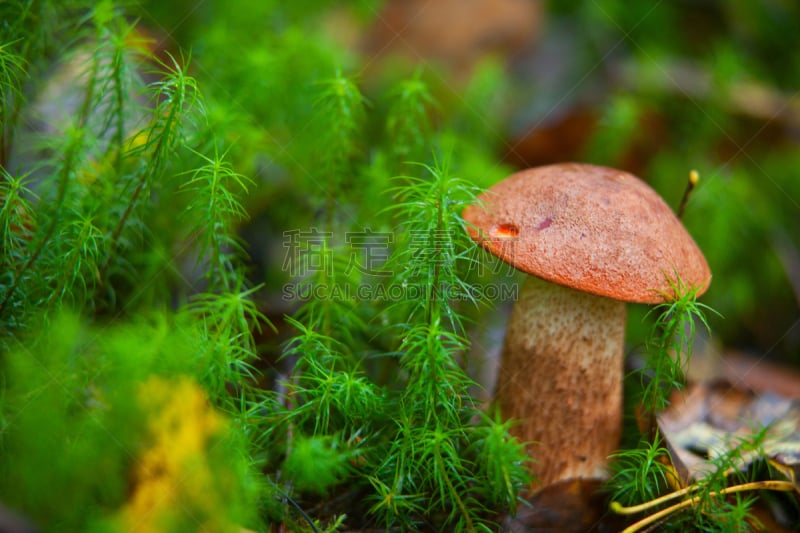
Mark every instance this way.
x=709 y=420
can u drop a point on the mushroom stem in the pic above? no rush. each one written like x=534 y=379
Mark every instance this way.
x=561 y=378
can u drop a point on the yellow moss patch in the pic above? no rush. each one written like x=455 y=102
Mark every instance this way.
x=173 y=480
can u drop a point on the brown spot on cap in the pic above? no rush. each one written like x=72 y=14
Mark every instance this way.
x=607 y=232
x=505 y=232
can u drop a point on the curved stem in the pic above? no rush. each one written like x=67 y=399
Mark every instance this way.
x=783 y=486
x=633 y=509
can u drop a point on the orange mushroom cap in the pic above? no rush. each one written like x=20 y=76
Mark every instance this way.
x=591 y=228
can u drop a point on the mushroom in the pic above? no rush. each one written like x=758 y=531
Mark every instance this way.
x=593 y=238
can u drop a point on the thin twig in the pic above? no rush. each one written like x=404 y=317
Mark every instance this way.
x=694 y=177
x=777 y=485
